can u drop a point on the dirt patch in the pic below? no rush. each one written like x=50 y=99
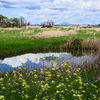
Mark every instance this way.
x=48 y=34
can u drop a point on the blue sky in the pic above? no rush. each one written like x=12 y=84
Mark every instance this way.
x=70 y=11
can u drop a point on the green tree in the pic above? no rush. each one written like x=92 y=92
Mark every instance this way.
x=15 y=22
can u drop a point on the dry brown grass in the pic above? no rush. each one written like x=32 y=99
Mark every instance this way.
x=53 y=28
x=12 y=28
x=3 y=31
x=95 y=29
x=89 y=43
x=67 y=44
x=27 y=27
x=48 y=34
x=23 y=27
x=93 y=43
x=27 y=32
x=89 y=32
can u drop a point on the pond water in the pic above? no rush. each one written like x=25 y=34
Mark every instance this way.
x=30 y=63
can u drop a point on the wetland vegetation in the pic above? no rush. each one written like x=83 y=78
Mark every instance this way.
x=63 y=83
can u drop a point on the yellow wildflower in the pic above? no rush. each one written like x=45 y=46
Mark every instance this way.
x=52 y=55
x=66 y=89
x=36 y=59
x=58 y=76
x=51 y=61
x=23 y=68
x=62 y=91
x=19 y=68
x=52 y=81
x=57 y=91
x=20 y=75
x=26 y=96
x=22 y=63
x=94 y=86
x=35 y=71
x=68 y=61
x=14 y=71
x=70 y=67
x=43 y=58
x=10 y=66
x=74 y=95
x=60 y=95
x=67 y=71
x=53 y=69
x=57 y=59
x=80 y=87
x=1 y=97
x=75 y=74
x=94 y=96
x=44 y=69
x=35 y=76
x=97 y=91
x=63 y=61
x=1 y=79
x=57 y=68
x=13 y=91
x=83 y=91
x=3 y=88
x=23 y=92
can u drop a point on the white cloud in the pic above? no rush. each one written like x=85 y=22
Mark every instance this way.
x=15 y=6
x=30 y=19
x=35 y=16
x=22 y=14
x=41 y=17
x=65 y=16
x=0 y=3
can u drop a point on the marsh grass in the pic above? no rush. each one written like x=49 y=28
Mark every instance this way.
x=60 y=83
x=66 y=29
x=89 y=43
x=11 y=40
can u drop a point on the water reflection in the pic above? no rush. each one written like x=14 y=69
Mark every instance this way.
x=29 y=60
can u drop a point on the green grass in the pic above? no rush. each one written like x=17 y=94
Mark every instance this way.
x=49 y=84
x=9 y=44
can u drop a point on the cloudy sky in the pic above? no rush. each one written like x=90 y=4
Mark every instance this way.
x=70 y=11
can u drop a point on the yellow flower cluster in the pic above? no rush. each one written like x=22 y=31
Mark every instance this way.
x=55 y=85
x=36 y=59
x=45 y=87
x=2 y=97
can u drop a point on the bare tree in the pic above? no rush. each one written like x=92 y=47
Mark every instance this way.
x=48 y=23
x=22 y=21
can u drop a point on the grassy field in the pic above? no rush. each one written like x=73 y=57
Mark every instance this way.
x=64 y=83
x=16 y=40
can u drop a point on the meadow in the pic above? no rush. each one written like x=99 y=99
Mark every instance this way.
x=63 y=83
x=24 y=40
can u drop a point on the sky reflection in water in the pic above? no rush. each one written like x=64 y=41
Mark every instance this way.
x=29 y=60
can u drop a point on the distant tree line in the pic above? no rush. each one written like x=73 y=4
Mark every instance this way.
x=12 y=22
